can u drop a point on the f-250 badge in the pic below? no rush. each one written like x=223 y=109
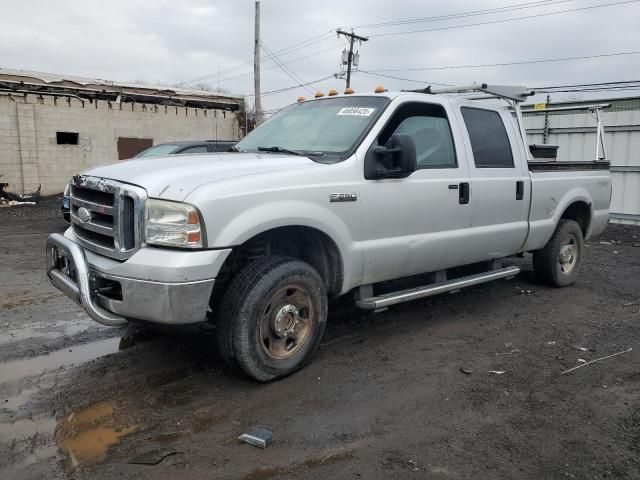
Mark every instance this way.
x=343 y=197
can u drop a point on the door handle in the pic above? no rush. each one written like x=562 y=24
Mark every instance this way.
x=463 y=193
x=519 y=190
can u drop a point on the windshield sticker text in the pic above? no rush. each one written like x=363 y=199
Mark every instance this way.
x=358 y=111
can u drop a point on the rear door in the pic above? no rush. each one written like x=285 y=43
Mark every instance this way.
x=500 y=187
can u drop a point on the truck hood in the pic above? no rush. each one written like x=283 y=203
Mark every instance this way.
x=173 y=177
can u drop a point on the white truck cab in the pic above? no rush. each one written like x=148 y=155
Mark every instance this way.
x=330 y=196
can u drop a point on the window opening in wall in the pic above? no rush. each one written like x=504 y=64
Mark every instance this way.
x=67 y=138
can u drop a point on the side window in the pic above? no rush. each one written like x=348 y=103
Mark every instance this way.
x=429 y=127
x=198 y=149
x=489 y=140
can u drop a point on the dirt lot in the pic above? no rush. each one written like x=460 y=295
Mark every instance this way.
x=386 y=396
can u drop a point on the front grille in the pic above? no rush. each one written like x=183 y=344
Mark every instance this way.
x=96 y=238
x=106 y=216
x=95 y=196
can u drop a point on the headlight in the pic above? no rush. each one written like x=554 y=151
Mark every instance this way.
x=173 y=224
x=67 y=191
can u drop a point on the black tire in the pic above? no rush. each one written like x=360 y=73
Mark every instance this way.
x=551 y=266
x=253 y=299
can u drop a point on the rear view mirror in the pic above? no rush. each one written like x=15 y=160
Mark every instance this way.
x=398 y=160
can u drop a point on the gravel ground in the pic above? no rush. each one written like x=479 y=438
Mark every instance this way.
x=413 y=392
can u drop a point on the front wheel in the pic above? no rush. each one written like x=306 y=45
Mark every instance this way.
x=272 y=317
x=558 y=263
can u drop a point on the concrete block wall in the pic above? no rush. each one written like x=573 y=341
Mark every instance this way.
x=10 y=160
x=30 y=155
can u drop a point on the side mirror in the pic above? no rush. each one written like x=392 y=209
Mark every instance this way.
x=396 y=161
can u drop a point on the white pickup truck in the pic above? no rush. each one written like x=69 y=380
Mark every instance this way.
x=335 y=195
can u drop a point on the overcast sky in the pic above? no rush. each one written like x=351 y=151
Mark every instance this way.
x=161 y=41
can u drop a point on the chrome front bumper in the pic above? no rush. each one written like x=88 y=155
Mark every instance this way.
x=159 y=302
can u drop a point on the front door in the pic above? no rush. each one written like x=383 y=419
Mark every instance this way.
x=417 y=224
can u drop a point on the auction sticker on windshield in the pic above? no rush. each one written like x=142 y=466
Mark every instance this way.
x=358 y=111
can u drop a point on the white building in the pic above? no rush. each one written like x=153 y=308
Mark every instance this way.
x=52 y=127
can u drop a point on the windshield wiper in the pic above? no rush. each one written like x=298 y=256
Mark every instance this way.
x=279 y=150
x=291 y=152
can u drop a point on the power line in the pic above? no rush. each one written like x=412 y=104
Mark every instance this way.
x=404 y=79
x=473 y=13
x=285 y=51
x=326 y=35
x=284 y=68
x=292 y=87
x=592 y=84
x=284 y=63
x=504 y=64
x=493 y=22
x=592 y=87
x=587 y=87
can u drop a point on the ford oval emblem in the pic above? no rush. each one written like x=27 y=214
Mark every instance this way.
x=84 y=214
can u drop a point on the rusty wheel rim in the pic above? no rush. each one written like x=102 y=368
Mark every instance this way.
x=287 y=322
x=568 y=256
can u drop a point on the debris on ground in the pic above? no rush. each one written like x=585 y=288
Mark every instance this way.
x=596 y=360
x=13 y=203
x=466 y=370
x=515 y=351
x=497 y=372
x=257 y=436
x=152 y=457
x=551 y=342
x=523 y=291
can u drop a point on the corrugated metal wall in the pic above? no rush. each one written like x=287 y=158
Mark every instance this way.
x=575 y=134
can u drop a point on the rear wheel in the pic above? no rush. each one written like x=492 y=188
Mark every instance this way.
x=558 y=263
x=272 y=317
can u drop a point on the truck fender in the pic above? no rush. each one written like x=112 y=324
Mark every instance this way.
x=293 y=213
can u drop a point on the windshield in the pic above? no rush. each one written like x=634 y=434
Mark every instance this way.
x=157 y=151
x=331 y=126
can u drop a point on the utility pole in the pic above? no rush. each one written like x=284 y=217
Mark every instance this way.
x=256 y=68
x=352 y=38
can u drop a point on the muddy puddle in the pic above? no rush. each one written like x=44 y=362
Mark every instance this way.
x=16 y=370
x=85 y=437
x=46 y=330
x=81 y=438
x=21 y=380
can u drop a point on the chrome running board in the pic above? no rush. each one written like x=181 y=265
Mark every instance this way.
x=388 y=299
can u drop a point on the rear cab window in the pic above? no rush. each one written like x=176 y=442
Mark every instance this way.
x=488 y=136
